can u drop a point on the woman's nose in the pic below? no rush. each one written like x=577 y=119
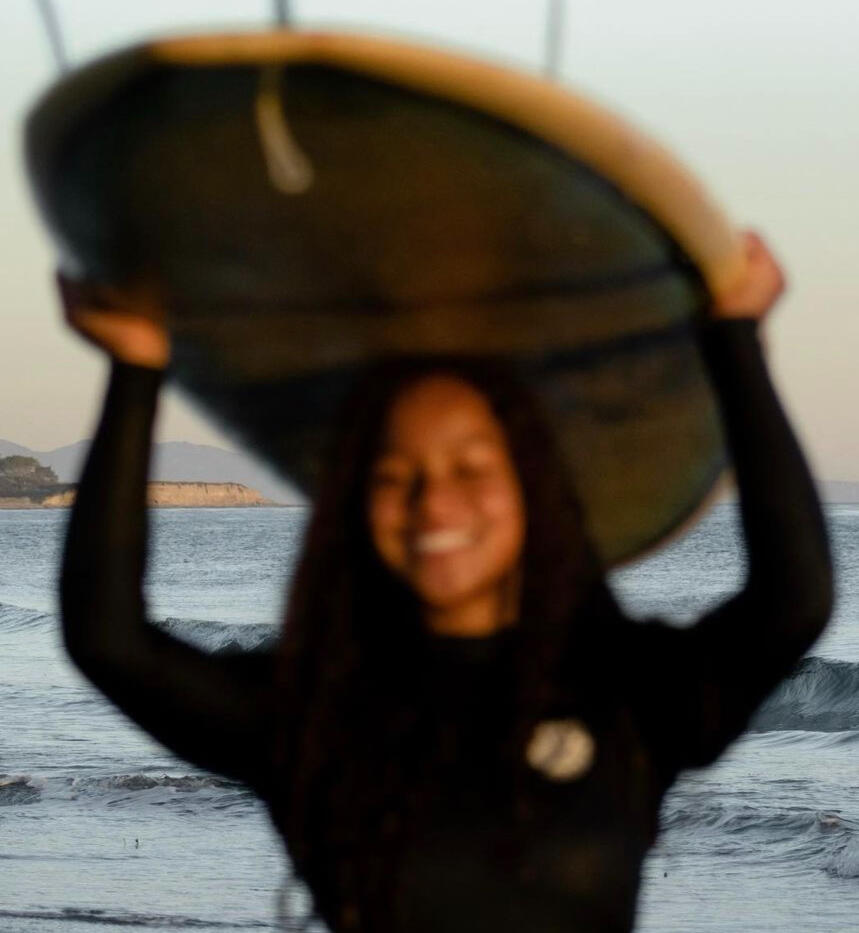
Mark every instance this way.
x=435 y=498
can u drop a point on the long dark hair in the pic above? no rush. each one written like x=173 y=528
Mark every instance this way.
x=351 y=647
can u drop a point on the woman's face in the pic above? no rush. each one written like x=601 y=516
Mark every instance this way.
x=445 y=506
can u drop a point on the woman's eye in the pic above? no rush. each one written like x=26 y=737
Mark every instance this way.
x=389 y=478
x=474 y=469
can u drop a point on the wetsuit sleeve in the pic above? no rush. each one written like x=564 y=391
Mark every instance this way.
x=216 y=710
x=698 y=687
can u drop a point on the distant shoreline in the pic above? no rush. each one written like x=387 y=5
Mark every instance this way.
x=8 y=505
x=172 y=461
x=179 y=495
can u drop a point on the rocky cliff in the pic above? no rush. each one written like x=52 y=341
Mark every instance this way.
x=178 y=495
x=25 y=483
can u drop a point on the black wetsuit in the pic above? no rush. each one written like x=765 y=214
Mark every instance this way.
x=653 y=699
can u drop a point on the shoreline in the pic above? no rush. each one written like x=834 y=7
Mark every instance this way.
x=159 y=494
x=27 y=506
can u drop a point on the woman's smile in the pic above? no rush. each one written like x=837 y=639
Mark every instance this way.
x=441 y=541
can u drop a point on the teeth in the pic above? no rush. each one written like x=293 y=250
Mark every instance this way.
x=435 y=542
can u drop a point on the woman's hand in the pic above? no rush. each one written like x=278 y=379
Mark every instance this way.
x=130 y=330
x=759 y=288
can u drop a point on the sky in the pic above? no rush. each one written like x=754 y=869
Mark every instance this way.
x=758 y=97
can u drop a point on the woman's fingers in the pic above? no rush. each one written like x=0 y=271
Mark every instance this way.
x=125 y=328
x=126 y=336
x=760 y=287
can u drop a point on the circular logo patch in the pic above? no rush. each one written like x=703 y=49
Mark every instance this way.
x=561 y=749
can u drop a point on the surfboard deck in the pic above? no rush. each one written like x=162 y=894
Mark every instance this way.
x=303 y=204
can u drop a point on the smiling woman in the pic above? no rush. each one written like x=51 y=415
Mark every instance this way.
x=436 y=736
x=459 y=730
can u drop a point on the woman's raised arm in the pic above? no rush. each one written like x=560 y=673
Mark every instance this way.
x=705 y=682
x=216 y=711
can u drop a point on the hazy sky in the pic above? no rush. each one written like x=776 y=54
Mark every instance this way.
x=759 y=96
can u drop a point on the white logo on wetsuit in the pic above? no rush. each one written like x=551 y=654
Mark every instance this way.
x=562 y=749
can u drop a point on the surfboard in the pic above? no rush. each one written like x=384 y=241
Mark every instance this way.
x=304 y=204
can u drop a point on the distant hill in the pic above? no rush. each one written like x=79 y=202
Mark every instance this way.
x=174 y=461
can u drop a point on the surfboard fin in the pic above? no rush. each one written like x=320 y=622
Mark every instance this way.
x=289 y=169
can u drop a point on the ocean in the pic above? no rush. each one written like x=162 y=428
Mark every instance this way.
x=102 y=830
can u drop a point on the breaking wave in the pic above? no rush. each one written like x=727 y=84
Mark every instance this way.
x=19 y=619
x=821 y=695
x=155 y=789
x=822 y=840
x=220 y=637
x=731 y=818
x=137 y=782
x=211 y=636
x=18 y=789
